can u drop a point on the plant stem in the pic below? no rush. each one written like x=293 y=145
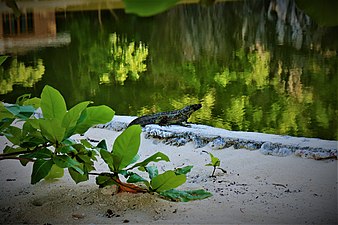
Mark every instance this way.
x=103 y=174
x=116 y=179
x=16 y=153
x=37 y=148
x=17 y=158
x=213 y=172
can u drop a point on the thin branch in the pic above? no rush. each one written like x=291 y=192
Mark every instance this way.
x=37 y=148
x=102 y=173
x=17 y=158
x=16 y=153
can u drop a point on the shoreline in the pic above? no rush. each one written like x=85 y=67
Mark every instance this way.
x=218 y=138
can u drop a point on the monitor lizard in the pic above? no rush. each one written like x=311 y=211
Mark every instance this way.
x=167 y=118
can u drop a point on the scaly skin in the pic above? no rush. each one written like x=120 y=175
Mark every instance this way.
x=167 y=118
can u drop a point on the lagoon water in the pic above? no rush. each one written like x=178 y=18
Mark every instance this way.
x=262 y=66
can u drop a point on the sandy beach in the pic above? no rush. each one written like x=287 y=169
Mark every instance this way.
x=257 y=189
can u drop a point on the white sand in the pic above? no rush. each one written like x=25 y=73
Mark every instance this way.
x=257 y=189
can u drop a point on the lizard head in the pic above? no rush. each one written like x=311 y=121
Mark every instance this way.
x=196 y=106
x=191 y=108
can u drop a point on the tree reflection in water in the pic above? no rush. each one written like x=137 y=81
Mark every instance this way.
x=261 y=66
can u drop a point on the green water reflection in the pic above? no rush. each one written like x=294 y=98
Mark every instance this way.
x=125 y=59
x=251 y=69
x=19 y=73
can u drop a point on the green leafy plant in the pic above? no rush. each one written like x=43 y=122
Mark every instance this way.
x=215 y=163
x=122 y=160
x=47 y=142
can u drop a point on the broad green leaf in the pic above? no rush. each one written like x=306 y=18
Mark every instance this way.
x=43 y=153
x=27 y=128
x=108 y=158
x=102 y=144
x=135 y=178
x=65 y=161
x=68 y=141
x=185 y=196
x=92 y=154
x=32 y=140
x=35 y=102
x=4 y=113
x=35 y=123
x=148 y=7
x=103 y=181
x=13 y=134
x=31 y=137
x=53 y=104
x=152 y=171
x=86 y=143
x=92 y=116
x=66 y=149
x=5 y=123
x=77 y=177
x=72 y=116
x=135 y=159
x=126 y=146
x=41 y=169
x=166 y=181
x=79 y=147
x=55 y=173
x=85 y=158
x=89 y=167
x=183 y=170
x=51 y=129
x=158 y=156
x=21 y=112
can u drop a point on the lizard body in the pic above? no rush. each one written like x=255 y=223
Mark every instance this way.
x=167 y=118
